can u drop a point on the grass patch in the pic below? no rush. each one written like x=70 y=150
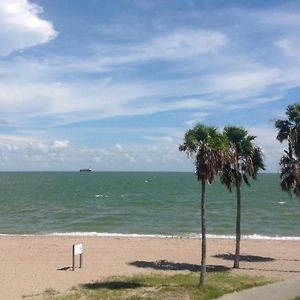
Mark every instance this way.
x=181 y=286
x=47 y=294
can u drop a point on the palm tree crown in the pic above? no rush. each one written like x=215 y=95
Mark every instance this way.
x=243 y=159
x=206 y=144
x=289 y=130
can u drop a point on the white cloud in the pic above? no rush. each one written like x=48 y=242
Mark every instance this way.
x=21 y=27
x=290 y=46
x=159 y=138
x=119 y=148
x=196 y=118
x=184 y=43
x=175 y=45
x=15 y=139
x=279 y=17
x=130 y=157
x=60 y=144
x=246 y=80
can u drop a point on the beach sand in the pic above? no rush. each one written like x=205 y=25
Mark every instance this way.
x=31 y=264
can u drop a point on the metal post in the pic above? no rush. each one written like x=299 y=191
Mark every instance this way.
x=80 y=261
x=73 y=258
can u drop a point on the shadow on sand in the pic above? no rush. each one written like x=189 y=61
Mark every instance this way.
x=248 y=258
x=65 y=269
x=254 y=258
x=171 y=266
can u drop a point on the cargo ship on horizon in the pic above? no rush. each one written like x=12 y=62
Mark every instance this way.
x=85 y=170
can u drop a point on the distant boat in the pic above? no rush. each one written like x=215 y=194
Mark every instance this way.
x=85 y=170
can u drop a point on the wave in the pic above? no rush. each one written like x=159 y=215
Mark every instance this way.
x=136 y=235
x=256 y=237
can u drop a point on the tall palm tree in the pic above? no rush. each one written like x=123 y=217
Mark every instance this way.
x=243 y=161
x=289 y=130
x=206 y=145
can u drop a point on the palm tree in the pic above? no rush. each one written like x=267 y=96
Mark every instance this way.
x=243 y=161
x=206 y=145
x=289 y=130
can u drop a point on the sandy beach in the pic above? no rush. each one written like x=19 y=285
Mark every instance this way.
x=31 y=264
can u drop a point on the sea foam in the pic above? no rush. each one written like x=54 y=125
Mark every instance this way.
x=136 y=235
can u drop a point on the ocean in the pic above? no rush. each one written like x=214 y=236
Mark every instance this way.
x=141 y=203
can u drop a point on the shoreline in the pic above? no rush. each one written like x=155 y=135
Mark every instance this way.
x=162 y=236
x=31 y=264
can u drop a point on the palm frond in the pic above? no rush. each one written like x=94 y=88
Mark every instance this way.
x=283 y=127
x=245 y=178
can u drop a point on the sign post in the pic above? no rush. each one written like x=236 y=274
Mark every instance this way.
x=77 y=250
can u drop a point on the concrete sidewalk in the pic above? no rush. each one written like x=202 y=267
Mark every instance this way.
x=283 y=290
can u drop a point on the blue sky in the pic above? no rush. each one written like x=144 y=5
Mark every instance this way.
x=113 y=85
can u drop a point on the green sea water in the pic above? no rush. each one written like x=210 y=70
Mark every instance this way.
x=143 y=203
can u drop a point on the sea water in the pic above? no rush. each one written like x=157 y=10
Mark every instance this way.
x=141 y=203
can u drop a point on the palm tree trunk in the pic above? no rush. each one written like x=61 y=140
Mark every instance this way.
x=203 y=231
x=238 y=227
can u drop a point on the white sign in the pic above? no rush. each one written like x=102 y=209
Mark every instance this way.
x=78 y=249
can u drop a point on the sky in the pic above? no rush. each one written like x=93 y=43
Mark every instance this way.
x=114 y=85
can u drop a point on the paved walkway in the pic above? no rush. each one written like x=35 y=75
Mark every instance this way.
x=284 y=290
